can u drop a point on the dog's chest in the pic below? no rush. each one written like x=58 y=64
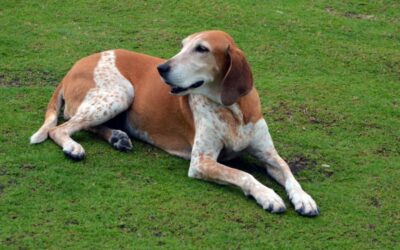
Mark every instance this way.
x=217 y=123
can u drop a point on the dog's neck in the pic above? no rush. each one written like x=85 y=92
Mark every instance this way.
x=248 y=105
x=211 y=90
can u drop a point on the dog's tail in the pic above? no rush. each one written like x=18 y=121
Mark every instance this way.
x=53 y=109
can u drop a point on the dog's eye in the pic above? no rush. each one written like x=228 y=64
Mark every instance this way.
x=201 y=49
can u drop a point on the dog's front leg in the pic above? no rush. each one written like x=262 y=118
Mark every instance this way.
x=263 y=149
x=204 y=166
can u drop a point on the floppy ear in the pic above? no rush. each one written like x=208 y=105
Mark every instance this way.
x=238 y=79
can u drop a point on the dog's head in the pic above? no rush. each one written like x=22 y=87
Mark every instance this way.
x=211 y=64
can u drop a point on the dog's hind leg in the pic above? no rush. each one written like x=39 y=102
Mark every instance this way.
x=61 y=135
x=98 y=107
x=112 y=94
x=117 y=138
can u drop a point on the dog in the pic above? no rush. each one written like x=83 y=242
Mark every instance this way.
x=200 y=105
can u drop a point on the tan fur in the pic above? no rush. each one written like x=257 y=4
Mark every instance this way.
x=166 y=118
x=78 y=82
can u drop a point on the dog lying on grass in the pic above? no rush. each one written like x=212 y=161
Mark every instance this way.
x=204 y=107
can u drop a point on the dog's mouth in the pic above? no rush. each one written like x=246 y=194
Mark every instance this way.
x=177 y=90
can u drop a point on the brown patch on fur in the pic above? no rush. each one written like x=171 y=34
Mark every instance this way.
x=235 y=74
x=168 y=119
x=212 y=170
x=247 y=97
x=78 y=82
x=250 y=106
x=231 y=120
x=102 y=131
x=238 y=79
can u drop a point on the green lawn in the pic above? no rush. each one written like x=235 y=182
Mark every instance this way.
x=328 y=73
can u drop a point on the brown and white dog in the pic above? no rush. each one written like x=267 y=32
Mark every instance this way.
x=213 y=112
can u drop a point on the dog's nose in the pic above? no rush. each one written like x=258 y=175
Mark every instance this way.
x=163 y=68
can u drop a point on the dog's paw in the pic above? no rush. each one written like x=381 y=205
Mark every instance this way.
x=74 y=151
x=120 y=140
x=268 y=200
x=303 y=203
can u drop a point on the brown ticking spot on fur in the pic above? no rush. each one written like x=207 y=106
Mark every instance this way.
x=230 y=119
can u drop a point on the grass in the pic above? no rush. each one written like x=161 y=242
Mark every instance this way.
x=328 y=73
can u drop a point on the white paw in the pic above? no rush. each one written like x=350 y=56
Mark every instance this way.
x=303 y=203
x=268 y=199
x=74 y=151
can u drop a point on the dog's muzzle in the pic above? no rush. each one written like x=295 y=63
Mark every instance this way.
x=164 y=69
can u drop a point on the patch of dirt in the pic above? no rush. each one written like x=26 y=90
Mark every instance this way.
x=349 y=14
x=373 y=201
x=12 y=182
x=28 y=77
x=327 y=172
x=314 y=116
x=383 y=151
x=281 y=112
x=354 y=15
x=9 y=241
x=387 y=150
x=126 y=228
x=300 y=162
x=71 y=222
x=158 y=234
x=3 y=171
x=161 y=243
x=6 y=80
x=28 y=167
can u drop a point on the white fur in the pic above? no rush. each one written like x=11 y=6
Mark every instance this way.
x=207 y=120
x=189 y=67
x=213 y=134
x=113 y=92
x=263 y=149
